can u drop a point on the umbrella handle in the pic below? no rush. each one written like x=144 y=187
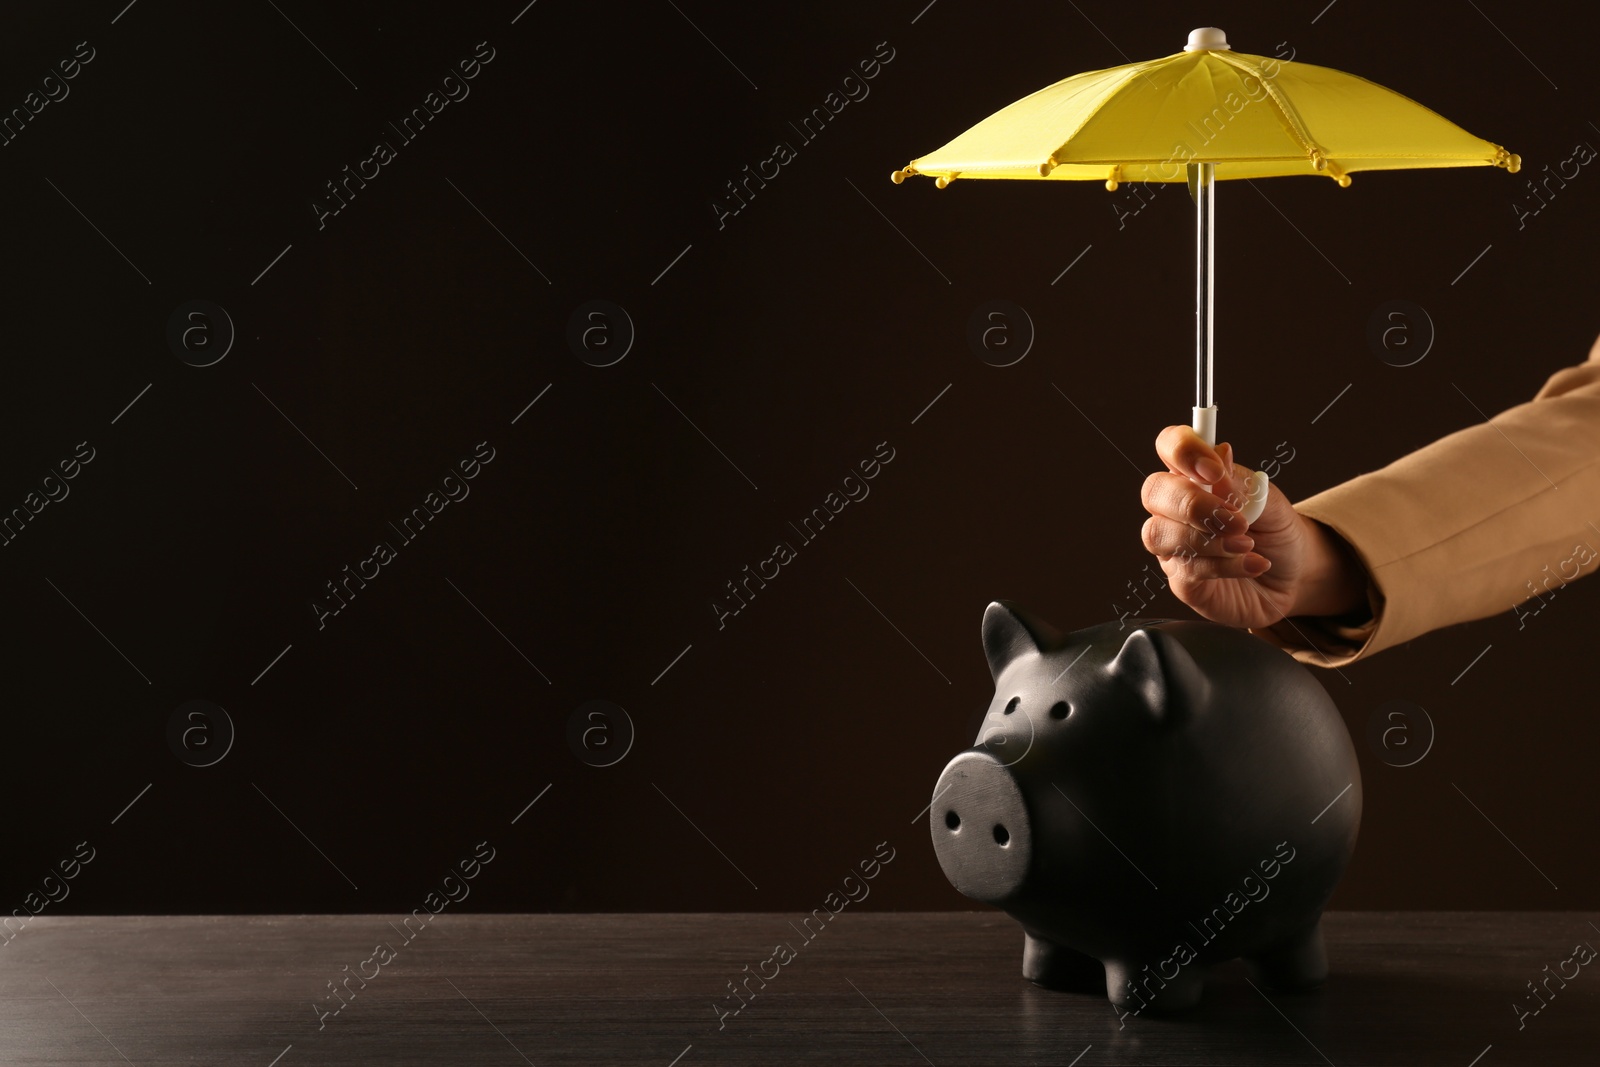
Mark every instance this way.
x=1255 y=483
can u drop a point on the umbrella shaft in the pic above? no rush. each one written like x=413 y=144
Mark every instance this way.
x=1204 y=298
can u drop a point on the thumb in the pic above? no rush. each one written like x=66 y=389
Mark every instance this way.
x=1278 y=514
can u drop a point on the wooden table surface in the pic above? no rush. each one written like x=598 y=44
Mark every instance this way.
x=871 y=988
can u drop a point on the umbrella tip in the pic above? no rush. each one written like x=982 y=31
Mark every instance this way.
x=1206 y=39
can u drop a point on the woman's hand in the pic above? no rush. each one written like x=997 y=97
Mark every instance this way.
x=1230 y=572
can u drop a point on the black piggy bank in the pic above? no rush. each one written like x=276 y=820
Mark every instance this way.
x=1149 y=799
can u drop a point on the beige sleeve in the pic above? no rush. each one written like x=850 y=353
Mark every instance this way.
x=1466 y=527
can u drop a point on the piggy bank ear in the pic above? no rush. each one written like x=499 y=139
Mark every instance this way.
x=1160 y=670
x=1009 y=632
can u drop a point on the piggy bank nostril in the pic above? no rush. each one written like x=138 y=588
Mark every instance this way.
x=1002 y=836
x=1012 y=706
x=1060 y=710
x=952 y=820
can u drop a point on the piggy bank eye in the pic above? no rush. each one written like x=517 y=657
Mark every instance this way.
x=1060 y=710
x=1012 y=706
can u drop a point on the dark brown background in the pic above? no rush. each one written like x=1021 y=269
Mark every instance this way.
x=797 y=338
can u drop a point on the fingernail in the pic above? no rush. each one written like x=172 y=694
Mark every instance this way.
x=1210 y=470
x=1238 y=543
x=1255 y=564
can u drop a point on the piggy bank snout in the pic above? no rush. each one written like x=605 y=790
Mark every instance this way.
x=981 y=830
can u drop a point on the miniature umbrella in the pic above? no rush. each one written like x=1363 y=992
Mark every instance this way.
x=1199 y=116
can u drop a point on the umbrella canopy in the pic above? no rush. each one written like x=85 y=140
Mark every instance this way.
x=1251 y=116
x=1199 y=116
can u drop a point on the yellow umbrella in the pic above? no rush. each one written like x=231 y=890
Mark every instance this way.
x=1202 y=115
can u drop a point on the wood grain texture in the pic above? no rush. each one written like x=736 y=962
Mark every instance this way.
x=870 y=988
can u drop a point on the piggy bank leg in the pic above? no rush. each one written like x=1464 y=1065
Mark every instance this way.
x=1138 y=988
x=1297 y=962
x=1058 y=967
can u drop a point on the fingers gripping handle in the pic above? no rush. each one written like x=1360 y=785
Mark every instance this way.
x=1255 y=484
